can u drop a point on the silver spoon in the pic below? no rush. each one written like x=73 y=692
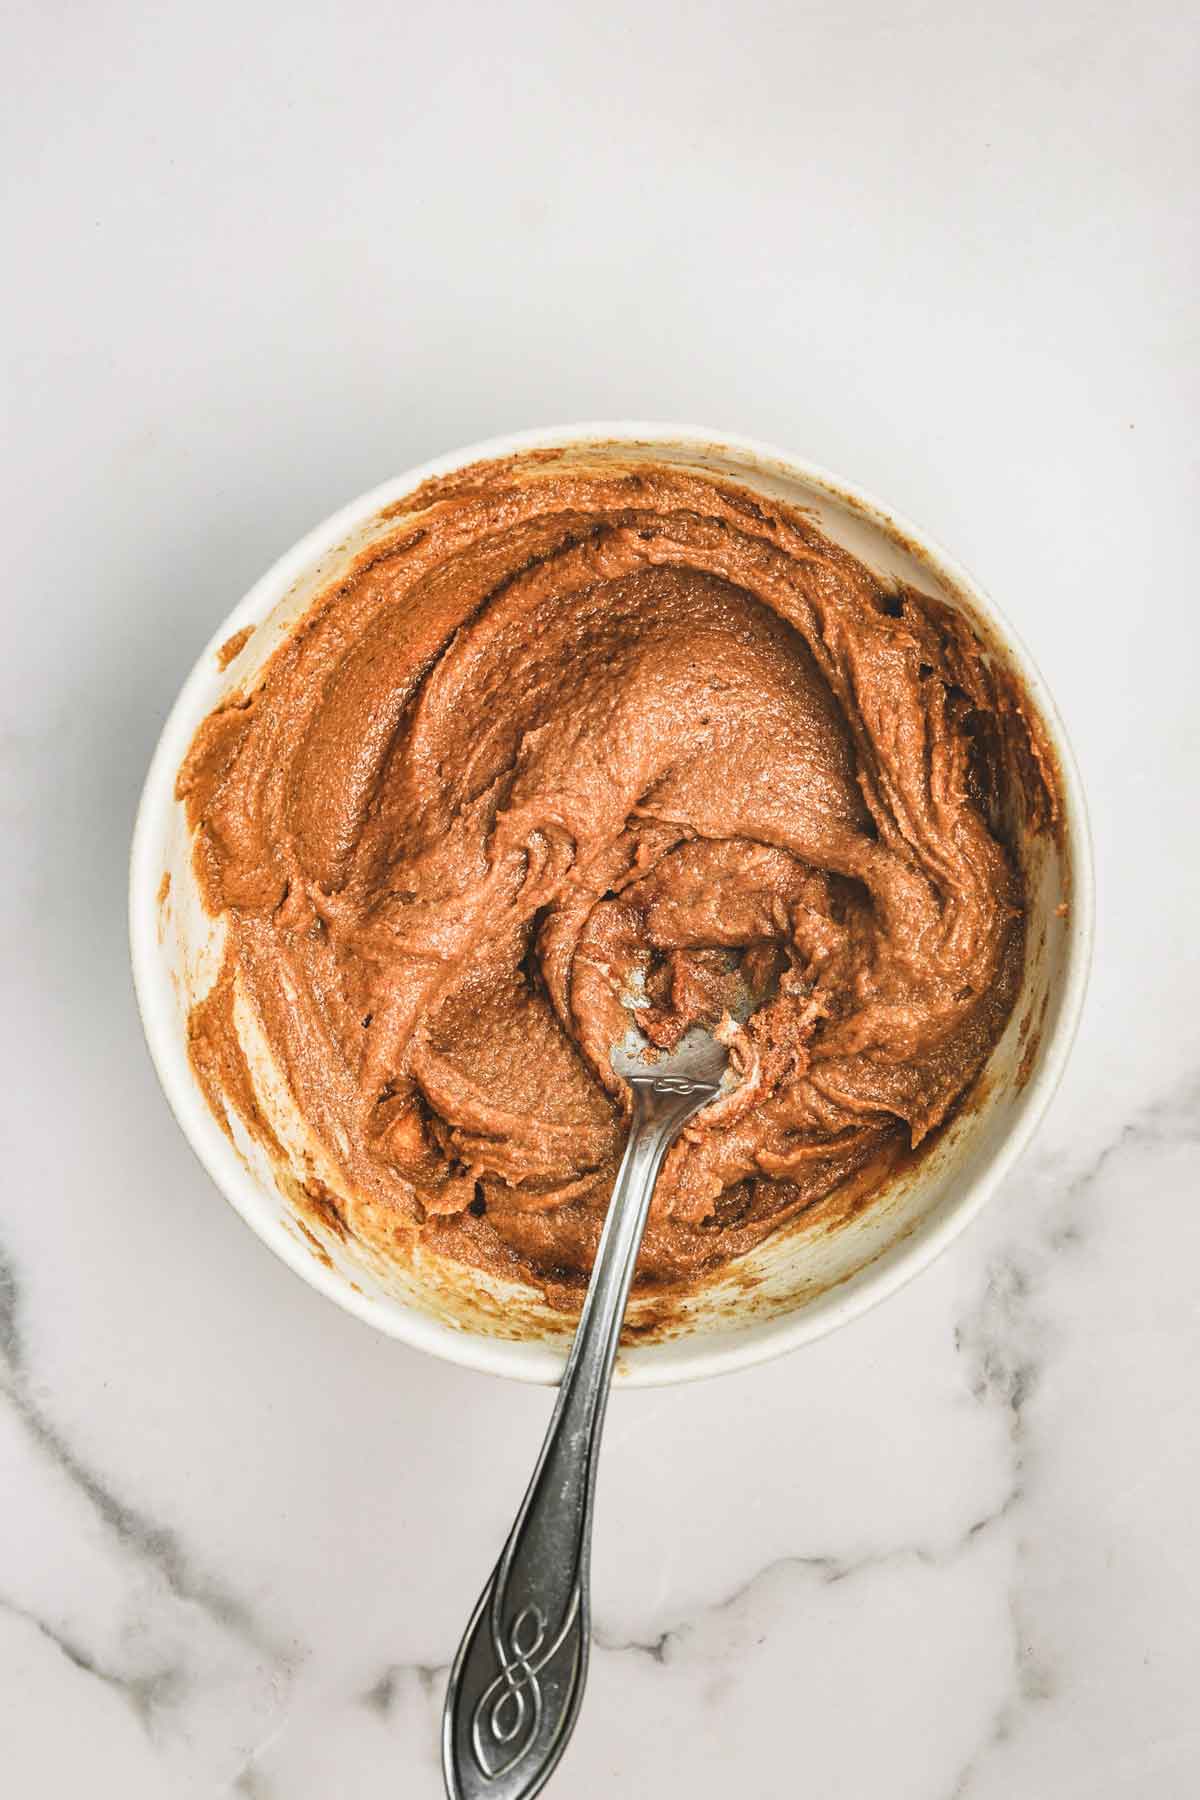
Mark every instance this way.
x=517 y=1681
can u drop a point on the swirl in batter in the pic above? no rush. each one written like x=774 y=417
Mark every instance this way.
x=576 y=729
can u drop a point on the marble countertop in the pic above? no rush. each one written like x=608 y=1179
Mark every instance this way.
x=263 y=258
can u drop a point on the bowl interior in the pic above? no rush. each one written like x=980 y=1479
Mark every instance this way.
x=792 y=1287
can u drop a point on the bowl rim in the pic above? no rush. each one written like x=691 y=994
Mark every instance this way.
x=676 y=1360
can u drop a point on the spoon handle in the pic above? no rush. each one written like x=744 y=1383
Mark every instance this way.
x=518 y=1678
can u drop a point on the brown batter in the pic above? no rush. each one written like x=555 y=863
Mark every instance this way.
x=584 y=724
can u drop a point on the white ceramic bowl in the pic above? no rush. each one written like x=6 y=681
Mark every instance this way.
x=793 y=1288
